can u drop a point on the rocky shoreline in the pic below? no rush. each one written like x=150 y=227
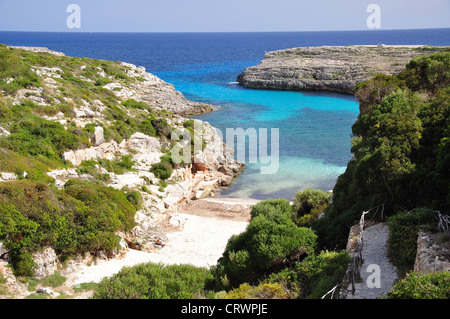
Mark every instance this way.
x=328 y=68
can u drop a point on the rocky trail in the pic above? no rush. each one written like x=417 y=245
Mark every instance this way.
x=377 y=273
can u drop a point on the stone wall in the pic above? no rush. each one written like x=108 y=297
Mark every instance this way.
x=431 y=256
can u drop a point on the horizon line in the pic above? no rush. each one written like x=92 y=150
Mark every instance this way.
x=286 y=31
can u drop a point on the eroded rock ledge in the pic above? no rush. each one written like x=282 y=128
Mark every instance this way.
x=328 y=68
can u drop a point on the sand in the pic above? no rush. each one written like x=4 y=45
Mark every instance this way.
x=201 y=242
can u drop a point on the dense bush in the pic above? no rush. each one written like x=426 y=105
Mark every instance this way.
x=416 y=286
x=109 y=209
x=308 y=205
x=268 y=207
x=34 y=167
x=82 y=218
x=164 y=168
x=36 y=136
x=314 y=276
x=270 y=237
x=261 y=291
x=155 y=281
x=131 y=103
x=403 y=231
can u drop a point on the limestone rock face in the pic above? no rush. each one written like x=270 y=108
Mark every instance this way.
x=431 y=256
x=46 y=262
x=145 y=234
x=158 y=93
x=326 y=68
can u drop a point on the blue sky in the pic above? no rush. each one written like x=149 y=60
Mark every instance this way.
x=221 y=15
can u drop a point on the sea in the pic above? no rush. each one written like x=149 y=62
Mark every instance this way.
x=310 y=131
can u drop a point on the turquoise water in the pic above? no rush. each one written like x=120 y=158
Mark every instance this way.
x=314 y=137
x=314 y=128
x=314 y=131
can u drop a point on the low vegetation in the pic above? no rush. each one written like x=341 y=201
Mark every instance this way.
x=403 y=230
x=416 y=286
x=155 y=281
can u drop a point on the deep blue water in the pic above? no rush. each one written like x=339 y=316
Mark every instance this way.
x=315 y=127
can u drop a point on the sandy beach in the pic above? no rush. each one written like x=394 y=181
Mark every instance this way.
x=209 y=223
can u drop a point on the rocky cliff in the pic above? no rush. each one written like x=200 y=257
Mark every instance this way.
x=327 y=68
x=112 y=111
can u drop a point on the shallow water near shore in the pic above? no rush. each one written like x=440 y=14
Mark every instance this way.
x=314 y=140
x=314 y=127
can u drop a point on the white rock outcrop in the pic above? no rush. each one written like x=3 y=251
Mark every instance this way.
x=431 y=256
x=46 y=262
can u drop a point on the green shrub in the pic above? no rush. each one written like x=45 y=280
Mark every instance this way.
x=35 y=167
x=109 y=209
x=89 y=167
x=270 y=207
x=131 y=103
x=135 y=198
x=317 y=274
x=416 y=286
x=403 y=231
x=126 y=163
x=22 y=263
x=118 y=166
x=155 y=281
x=147 y=128
x=400 y=149
x=13 y=67
x=83 y=217
x=270 y=237
x=162 y=127
x=36 y=136
x=189 y=124
x=261 y=291
x=162 y=170
x=54 y=280
x=308 y=205
x=332 y=231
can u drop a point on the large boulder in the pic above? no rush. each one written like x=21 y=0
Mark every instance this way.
x=98 y=137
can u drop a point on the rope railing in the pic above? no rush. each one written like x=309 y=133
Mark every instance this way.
x=352 y=274
x=444 y=222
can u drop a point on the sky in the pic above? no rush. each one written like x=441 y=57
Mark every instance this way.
x=220 y=15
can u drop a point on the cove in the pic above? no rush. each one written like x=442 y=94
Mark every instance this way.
x=314 y=129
